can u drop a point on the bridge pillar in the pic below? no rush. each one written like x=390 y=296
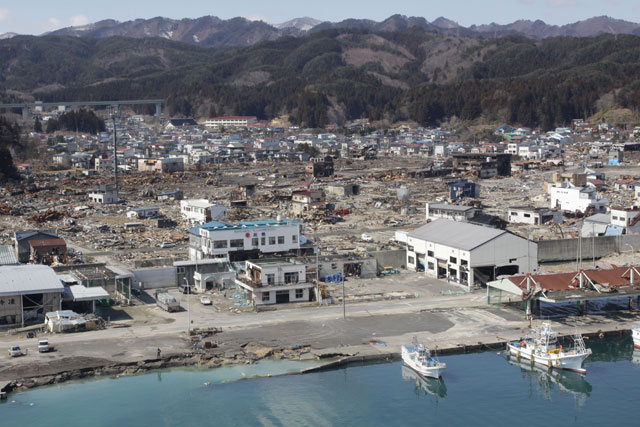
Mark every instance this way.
x=25 y=113
x=158 y=110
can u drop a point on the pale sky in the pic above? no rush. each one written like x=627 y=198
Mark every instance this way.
x=38 y=16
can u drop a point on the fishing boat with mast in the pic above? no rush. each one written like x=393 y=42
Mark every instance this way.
x=419 y=358
x=544 y=350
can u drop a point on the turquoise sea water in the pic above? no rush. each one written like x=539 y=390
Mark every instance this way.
x=482 y=389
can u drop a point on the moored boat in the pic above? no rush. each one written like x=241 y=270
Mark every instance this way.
x=544 y=350
x=419 y=358
x=635 y=334
x=432 y=386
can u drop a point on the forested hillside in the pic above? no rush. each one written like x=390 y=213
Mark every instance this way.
x=336 y=75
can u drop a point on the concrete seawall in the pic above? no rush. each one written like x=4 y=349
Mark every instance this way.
x=458 y=349
x=601 y=246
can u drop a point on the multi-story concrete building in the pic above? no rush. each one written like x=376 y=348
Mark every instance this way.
x=576 y=200
x=199 y=211
x=165 y=165
x=104 y=194
x=231 y=121
x=276 y=281
x=246 y=240
x=307 y=200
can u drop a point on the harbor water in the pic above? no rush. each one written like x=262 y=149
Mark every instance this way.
x=481 y=389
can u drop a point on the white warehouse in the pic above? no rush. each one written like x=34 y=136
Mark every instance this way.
x=468 y=254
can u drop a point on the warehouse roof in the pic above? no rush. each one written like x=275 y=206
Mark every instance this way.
x=455 y=234
x=28 y=279
x=448 y=207
x=81 y=293
x=7 y=255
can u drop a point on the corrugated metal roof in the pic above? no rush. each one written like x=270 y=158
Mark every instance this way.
x=7 y=255
x=614 y=276
x=603 y=218
x=81 y=293
x=455 y=234
x=47 y=242
x=200 y=262
x=28 y=279
x=448 y=207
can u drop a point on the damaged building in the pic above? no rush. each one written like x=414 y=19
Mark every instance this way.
x=27 y=292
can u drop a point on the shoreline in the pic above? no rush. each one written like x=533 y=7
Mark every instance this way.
x=251 y=353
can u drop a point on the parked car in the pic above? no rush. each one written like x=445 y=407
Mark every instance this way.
x=15 y=351
x=167 y=245
x=205 y=300
x=43 y=346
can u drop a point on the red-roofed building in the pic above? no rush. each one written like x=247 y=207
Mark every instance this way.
x=603 y=283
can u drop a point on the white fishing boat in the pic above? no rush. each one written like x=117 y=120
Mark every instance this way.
x=544 y=350
x=432 y=386
x=419 y=358
x=635 y=334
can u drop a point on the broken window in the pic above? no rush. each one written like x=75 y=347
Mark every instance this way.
x=294 y=239
x=236 y=243
x=265 y=297
x=281 y=240
x=271 y=279
x=272 y=240
x=412 y=260
x=254 y=241
x=263 y=241
x=291 y=277
x=219 y=244
x=430 y=253
x=299 y=293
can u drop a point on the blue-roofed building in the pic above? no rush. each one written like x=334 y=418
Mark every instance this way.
x=246 y=239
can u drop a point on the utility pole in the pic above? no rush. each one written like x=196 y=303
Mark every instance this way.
x=318 y=296
x=115 y=151
x=344 y=301
x=186 y=282
x=593 y=244
x=528 y=243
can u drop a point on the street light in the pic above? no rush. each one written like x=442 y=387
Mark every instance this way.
x=188 y=307
x=633 y=254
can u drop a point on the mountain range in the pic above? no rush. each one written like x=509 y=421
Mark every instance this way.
x=213 y=31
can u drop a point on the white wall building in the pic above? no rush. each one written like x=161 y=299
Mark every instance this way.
x=147 y=212
x=576 y=199
x=468 y=254
x=200 y=211
x=453 y=212
x=533 y=216
x=104 y=194
x=231 y=121
x=275 y=281
x=627 y=218
x=217 y=239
